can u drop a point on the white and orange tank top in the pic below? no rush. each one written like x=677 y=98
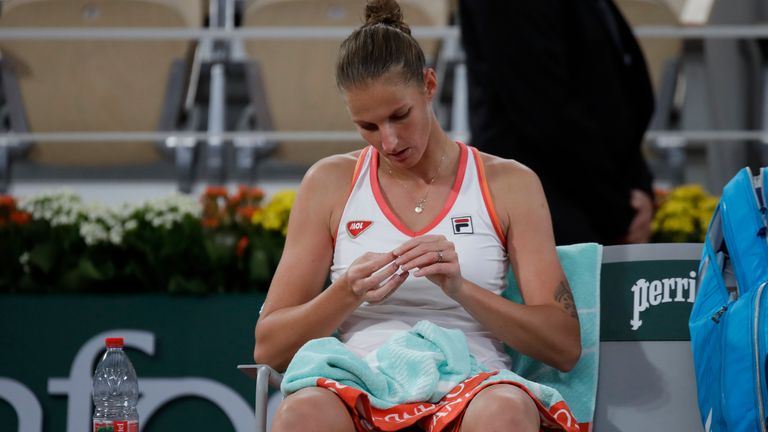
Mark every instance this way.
x=468 y=219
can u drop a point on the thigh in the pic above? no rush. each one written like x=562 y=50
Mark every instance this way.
x=312 y=409
x=501 y=407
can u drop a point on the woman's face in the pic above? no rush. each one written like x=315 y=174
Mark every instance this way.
x=394 y=117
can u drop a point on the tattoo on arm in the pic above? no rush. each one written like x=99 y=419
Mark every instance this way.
x=564 y=296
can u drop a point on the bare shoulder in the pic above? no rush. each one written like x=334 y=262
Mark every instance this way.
x=330 y=176
x=514 y=188
x=509 y=178
x=325 y=187
x=333 y=169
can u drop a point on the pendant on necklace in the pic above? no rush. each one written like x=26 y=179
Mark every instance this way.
x=420 y=205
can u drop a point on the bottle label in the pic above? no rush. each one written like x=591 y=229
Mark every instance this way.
x=115 y=426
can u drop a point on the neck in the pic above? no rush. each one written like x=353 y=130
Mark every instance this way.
x=436 y=164
x=436 y=160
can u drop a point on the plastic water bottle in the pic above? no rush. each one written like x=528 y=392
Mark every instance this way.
x=115 y=391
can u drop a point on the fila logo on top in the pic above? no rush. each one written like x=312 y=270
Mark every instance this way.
x=355 y=228
x=462 y=225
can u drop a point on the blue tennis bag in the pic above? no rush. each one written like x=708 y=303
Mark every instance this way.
x=728 y=321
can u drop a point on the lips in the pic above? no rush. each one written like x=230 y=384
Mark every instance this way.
x=399 y=156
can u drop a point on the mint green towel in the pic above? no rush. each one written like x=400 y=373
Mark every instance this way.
x=581 y=263
x=421 y=364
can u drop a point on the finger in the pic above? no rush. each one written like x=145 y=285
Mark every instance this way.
x=420 y=248
x=415 y=242
x=378 y=295
x=373 y=262
x=372 y=281
x=434 y=269
x=431 y=259
x=424 y=255
x=383 y=273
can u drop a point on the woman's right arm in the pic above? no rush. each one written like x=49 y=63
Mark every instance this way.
x=297 y=308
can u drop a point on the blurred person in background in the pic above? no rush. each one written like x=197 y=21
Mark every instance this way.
x=562 y=87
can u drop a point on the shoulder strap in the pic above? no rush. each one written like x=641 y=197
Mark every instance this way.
x=742 y=209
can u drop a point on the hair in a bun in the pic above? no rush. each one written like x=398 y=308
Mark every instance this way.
x=385 y=12
x=381 y=45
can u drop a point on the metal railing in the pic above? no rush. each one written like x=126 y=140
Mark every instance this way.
x=338 y=33
x=342 y=136
x=231 y=33
x=228 y=33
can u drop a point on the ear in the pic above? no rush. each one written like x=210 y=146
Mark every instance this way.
x=430 y=83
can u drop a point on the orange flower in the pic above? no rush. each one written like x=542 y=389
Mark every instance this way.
x=242 y=244
x=235 y=200
x=247 y=193
x=215 y=192
x=210 y=222
x=7 y=201
x=246 y=212
x=254 y=193
x=20 y=217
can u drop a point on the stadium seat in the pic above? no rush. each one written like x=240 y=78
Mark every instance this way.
x=299 y=75
x=88 y=85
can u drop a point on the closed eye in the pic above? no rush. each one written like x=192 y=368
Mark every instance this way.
x=368 y=126
x=400 y=117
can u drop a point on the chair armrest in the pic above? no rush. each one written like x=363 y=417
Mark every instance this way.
x=265 y=377
x=275 y=378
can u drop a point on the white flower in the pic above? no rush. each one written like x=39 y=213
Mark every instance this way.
x=101 y=224
x=24 y=261
x=116 y=235
x=93 y=233
x=58 y=208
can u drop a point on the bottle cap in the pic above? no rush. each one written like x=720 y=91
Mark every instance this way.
x=114 y=342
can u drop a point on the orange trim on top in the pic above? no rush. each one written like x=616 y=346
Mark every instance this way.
x=487 y=197
x=392 y=217
x=355 y=175
x=358 y=169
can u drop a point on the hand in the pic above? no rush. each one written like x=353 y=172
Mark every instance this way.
x=368 y=277
x=640 y=228
x=435 y=258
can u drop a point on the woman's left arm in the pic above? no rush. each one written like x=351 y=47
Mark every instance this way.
x=546 y=327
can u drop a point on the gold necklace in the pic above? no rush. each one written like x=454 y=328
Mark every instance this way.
x=423 y=201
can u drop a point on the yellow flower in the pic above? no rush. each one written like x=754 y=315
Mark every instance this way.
x=272 y=220
x=684 y=214
x=688 y=192
x=275 y=214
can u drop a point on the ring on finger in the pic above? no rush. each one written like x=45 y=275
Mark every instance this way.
x=440 y=256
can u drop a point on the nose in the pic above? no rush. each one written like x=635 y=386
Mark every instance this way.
x=388 y=138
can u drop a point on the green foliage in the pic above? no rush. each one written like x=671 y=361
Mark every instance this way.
x=56 y=243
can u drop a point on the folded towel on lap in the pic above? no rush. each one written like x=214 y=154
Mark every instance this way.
x=424 y=364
